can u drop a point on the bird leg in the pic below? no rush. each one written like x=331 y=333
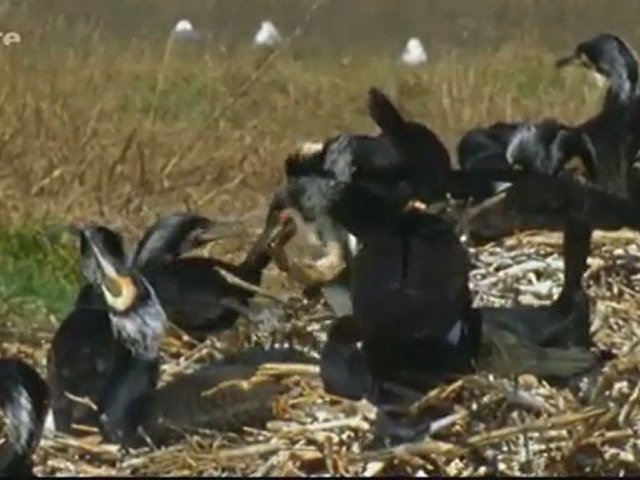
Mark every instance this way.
x=143 y=434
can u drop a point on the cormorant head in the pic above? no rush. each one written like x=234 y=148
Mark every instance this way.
x=137 y=317
x=112 y=242
x=610 y=57
x=177 y=234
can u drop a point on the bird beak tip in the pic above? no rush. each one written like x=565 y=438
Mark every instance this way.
x=565 y=61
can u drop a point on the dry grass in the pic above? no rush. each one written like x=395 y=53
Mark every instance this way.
x=115 y=133
x=121 y=133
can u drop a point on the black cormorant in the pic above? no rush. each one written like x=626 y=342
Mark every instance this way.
x=132 y=409
x=611 y=131
x=24 y=403
x=83 y=348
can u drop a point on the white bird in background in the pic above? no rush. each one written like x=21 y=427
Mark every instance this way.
x=184 y=31
x=414 y=52
x=268 y=35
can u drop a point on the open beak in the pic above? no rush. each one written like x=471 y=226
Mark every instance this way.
x=281 y=232
x=579 y=58
x=120 y=292
x=298 y=262
x=566 y=60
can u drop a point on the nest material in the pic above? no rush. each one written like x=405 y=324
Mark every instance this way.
x=491 y=428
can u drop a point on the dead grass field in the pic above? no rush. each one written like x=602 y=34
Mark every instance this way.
x=120 y=131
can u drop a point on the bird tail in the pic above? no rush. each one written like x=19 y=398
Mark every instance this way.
x=385 y=114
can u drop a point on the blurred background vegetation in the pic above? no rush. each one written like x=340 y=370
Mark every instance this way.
x=101 y=121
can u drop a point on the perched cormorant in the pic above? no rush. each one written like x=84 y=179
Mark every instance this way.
x=562 y=174
x=82 y=349
x=352 y=185
x=611 y=131
x=411 y=298
x=410 y=278
x=360 y=181
x=23 y=408
x=414 y=320
x=199 y=299
x=132 y=409
x=355 y=178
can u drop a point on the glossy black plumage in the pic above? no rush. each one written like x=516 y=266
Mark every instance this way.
x=133 y=410
x=411 y=298
x=360 y=180
x=612 y=58
x=196 y=297
x=484 y=148
x=564 y=177
x=138 y=323
x=83 y=349
x=343 y=368
x=611 y=132
x=172 y=236
x=24 y=404
x=411 y=281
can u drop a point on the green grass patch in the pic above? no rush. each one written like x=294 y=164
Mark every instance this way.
x=38 y=276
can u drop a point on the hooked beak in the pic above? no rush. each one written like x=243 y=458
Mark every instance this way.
x=573 y=58
x=566 y=60
x=120 y=291
x=281 y=232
